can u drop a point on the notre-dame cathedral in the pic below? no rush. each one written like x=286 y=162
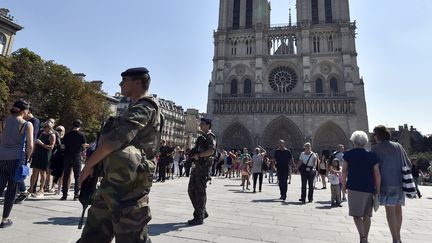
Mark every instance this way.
x=299 y=81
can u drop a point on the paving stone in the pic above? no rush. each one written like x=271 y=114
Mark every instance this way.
x=235 y=216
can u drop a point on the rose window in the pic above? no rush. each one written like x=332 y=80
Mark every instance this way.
x=283 y=79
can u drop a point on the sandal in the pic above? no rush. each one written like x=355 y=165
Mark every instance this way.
x=6 y=223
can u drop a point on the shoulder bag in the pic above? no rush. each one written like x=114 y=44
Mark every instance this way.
x=22 y=170
x=303 y=167
x=408 y=186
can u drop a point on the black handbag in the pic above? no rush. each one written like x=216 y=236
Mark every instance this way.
x=303 y=168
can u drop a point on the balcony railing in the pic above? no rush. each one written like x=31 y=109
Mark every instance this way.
x=289 y=96
x=312 y=105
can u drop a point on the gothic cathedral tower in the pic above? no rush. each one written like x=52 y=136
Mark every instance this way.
x=298 y=82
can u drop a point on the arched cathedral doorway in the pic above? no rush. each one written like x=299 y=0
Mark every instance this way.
x=282 y=128
x=328 y=137
x=236 y=136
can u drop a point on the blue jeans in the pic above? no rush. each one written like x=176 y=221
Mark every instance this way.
x=21 y=186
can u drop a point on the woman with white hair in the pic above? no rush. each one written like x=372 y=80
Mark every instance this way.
x=361 y=176
x=308 y=163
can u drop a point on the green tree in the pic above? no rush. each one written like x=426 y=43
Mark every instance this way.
x=67 y=98
x=6 y=76
x=424 y=158
x=29 y=73
x=52 y=89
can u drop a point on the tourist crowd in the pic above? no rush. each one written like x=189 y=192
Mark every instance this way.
x=364 y=178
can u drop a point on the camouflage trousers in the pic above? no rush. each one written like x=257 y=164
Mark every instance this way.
x=127 y=226
x=197 y=191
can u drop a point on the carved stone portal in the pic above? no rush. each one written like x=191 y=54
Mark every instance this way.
x=236 y=136
x=282 y=128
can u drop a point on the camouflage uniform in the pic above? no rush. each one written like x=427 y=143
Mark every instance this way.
x=120 y=207
x=199 y=175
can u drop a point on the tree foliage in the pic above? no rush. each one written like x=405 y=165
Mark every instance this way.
x=424 y=159
x=52 y=89
x=6 y=76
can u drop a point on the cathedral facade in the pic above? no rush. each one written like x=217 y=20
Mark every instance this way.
x=299 y=82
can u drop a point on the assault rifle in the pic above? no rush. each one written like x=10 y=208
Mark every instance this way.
x=88 y=187
x=200 y=142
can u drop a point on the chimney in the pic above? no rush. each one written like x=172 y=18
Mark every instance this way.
x=80 y=76
x=4 y=12
x=400 y=128
x=97 y=84
x=405 y=126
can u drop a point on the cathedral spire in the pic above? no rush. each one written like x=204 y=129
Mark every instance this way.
x=290 y=22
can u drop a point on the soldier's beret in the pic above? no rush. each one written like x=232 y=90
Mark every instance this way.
x=206 y=120
x=135 y=72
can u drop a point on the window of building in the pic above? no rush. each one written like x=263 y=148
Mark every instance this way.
x=330 y=44
x=249 y=13
x=319 y=86
x=247 y=89
x=328 y=11
x=2 y=44
x=249 y=47
x=316 y=44
x=233 y=48
x=315 y=15
x=236 y=14
x=334 y=86
x=234 y=87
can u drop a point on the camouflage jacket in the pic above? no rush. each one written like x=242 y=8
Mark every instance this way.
x=135 y=136
x=204 y=142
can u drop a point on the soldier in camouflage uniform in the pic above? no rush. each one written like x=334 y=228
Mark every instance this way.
x=127 y=146
x=203 y=155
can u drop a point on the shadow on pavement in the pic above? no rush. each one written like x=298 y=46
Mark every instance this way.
x=266 y=200
x=48 y=199
x=293 y=203
x=324 y=207
x=323 y=202
x=158 y=229
x=240 y=191
x=61 y=221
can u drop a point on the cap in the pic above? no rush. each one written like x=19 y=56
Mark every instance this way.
x=77 y=123
x=206 y=120
x=135 y=72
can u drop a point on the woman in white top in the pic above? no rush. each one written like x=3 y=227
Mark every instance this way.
x=257 y=161
x=308 y=163
x=176 y=161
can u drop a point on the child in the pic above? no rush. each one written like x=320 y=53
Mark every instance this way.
x=271 y=170
x=334 y=179
x=245 y=172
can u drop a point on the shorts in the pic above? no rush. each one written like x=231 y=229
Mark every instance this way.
x=392 y=196
x=323 y=172
x=360 y=203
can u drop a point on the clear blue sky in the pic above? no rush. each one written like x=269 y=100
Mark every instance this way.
x=173 y=38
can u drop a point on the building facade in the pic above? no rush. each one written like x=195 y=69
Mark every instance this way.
x=8 y=29
x=411 y=139
x=192 y=117
x=299 y=82
x=174 y=123
x=174 y=127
